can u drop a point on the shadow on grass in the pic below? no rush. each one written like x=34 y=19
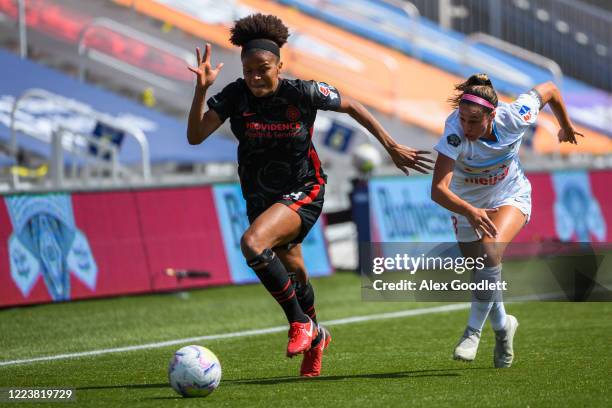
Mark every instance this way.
x=445 y=372
x=394 y=375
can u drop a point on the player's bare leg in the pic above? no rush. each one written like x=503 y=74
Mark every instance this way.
x=291 y=256
x=276 y=226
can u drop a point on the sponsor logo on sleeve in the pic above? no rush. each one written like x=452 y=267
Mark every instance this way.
x=453 y=140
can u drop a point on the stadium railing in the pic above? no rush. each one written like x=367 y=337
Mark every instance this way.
x=94 y=161
x=537 y=59
x=86 y=51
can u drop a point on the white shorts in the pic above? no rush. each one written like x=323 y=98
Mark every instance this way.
x=466 y=233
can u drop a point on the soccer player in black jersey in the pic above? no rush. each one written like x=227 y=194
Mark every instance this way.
x=280 y=173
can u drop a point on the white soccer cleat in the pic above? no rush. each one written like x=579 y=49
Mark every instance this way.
x=503 y=354
x=468 y=345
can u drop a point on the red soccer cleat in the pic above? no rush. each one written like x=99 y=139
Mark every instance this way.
x=300 y=337
x=313 y=358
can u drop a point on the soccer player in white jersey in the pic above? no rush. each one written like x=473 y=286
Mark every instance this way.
x=479 y=178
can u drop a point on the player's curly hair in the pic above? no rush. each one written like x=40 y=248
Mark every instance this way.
x=479 y=85
x=259 y=26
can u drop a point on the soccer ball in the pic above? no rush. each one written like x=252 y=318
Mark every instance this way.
x=194 y=371
x=366 y=158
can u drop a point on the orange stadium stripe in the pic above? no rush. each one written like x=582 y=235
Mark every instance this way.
x=375 y=75
x=217 y=33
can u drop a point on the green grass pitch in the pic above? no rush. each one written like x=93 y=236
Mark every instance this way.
x=563 y=352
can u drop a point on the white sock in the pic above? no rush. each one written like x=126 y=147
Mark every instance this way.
x=497 y=316
x=480 y=304
x=478 y=314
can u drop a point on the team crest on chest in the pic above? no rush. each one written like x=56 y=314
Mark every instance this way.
x=293 y=113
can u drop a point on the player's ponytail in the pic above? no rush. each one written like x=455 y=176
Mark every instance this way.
x=474 y=80
x=478 y=85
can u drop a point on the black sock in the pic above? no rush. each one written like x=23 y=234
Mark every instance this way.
x=275 y=279
x=306 y=298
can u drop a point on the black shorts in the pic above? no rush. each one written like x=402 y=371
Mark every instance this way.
x=307 y=201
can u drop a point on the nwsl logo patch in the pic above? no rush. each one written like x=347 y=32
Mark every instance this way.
x=453 y=140
x=327 y=90
x=324 y=88
x=525 y=113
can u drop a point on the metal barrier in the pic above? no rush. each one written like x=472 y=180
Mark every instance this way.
x=123 y=66
x=537 y=59
x=81 y=150
x=60 y=143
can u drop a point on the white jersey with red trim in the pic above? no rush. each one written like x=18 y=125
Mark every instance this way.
x=488 y=173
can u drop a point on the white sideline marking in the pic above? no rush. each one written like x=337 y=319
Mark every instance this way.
x=246 y=333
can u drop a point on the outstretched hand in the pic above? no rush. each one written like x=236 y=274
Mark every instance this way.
x=568 y=135
x=406 y=158
x=205 y=73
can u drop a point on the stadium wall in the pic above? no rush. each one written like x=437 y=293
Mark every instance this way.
x=69 y=246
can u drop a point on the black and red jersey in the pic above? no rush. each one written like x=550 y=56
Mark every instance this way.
x=275 y=150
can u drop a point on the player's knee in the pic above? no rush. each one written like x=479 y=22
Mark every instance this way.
x=251 y=244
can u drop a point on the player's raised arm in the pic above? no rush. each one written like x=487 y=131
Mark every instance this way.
x=404 y=157
x=201 y=124
x=550 y=94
